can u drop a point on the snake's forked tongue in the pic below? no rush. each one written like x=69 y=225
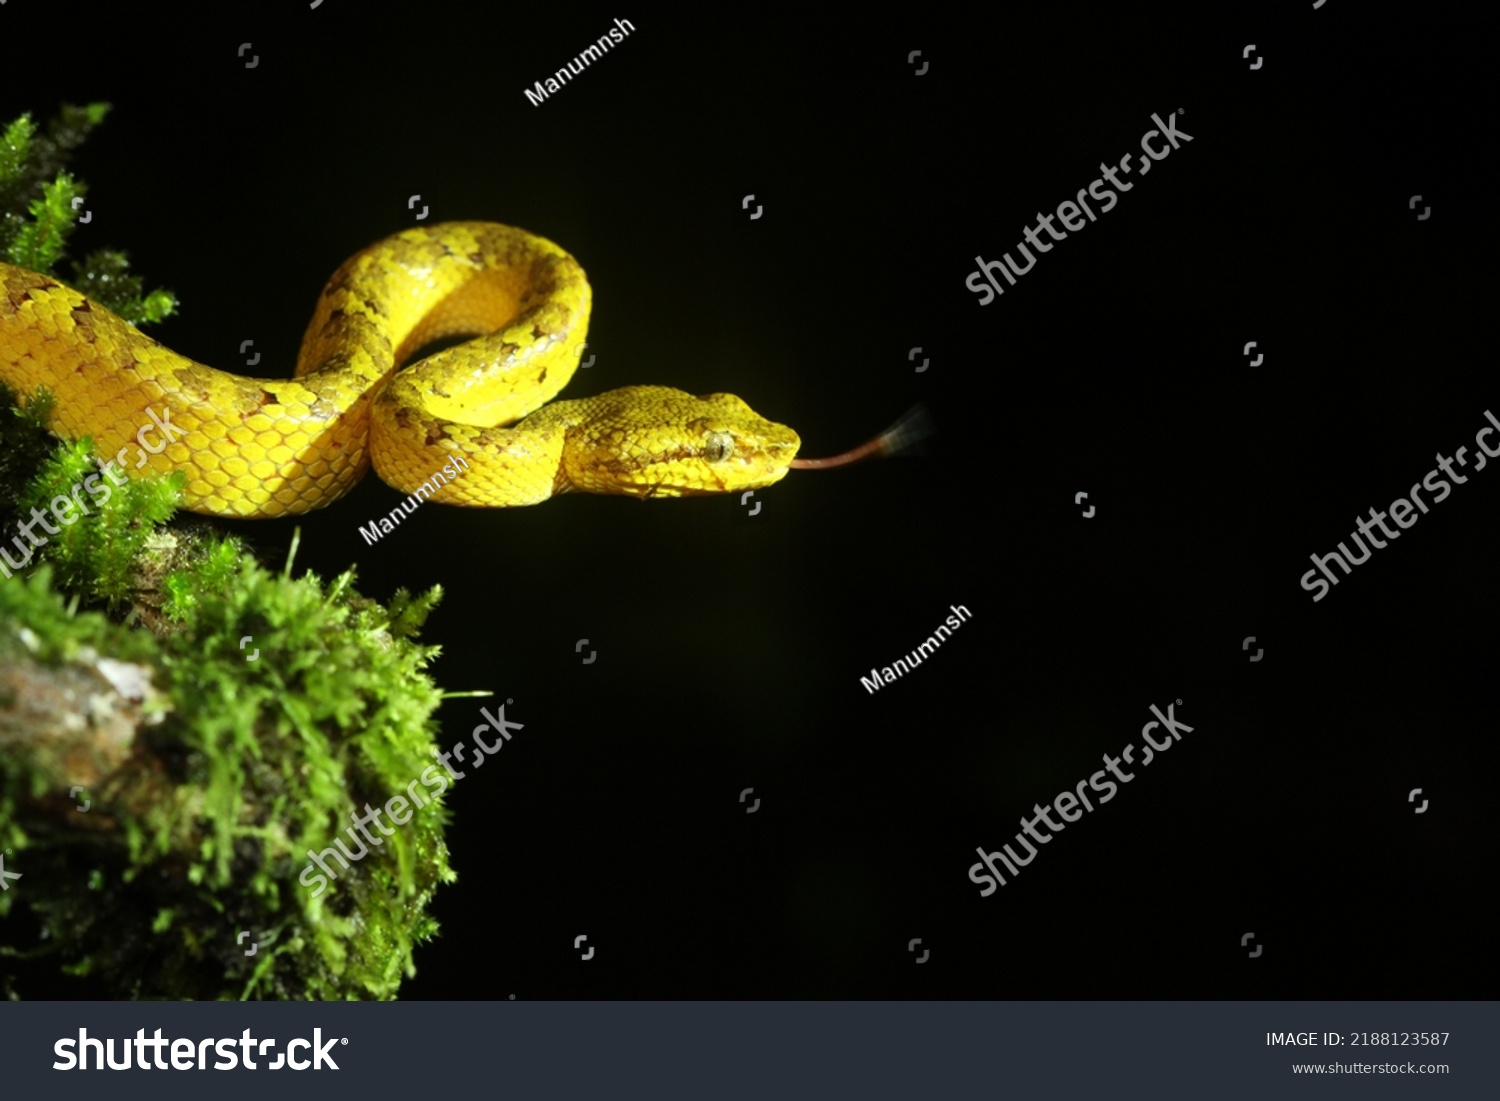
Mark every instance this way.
x=913 y=426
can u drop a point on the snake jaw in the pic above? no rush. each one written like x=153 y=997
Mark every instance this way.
x=652 y=441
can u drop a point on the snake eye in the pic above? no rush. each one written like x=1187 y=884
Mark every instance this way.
x=718 y=447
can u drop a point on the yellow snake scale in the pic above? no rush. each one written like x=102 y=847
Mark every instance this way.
x=254 y=447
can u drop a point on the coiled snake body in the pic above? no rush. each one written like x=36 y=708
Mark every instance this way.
x=253 y=447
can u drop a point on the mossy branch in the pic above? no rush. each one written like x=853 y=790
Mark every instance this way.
x=206 y=773
x=213 y=769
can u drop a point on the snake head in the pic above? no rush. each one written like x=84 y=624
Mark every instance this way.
x=653 y=441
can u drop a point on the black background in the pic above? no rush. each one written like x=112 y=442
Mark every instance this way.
x=729 y=649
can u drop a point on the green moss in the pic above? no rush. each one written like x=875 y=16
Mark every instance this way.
x=100 y=560
x=261 y=754
x=229 y=762
x=38 y=215
x=105 y=277
x=38 y=243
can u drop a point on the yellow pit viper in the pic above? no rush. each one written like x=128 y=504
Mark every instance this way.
x=254 y=447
